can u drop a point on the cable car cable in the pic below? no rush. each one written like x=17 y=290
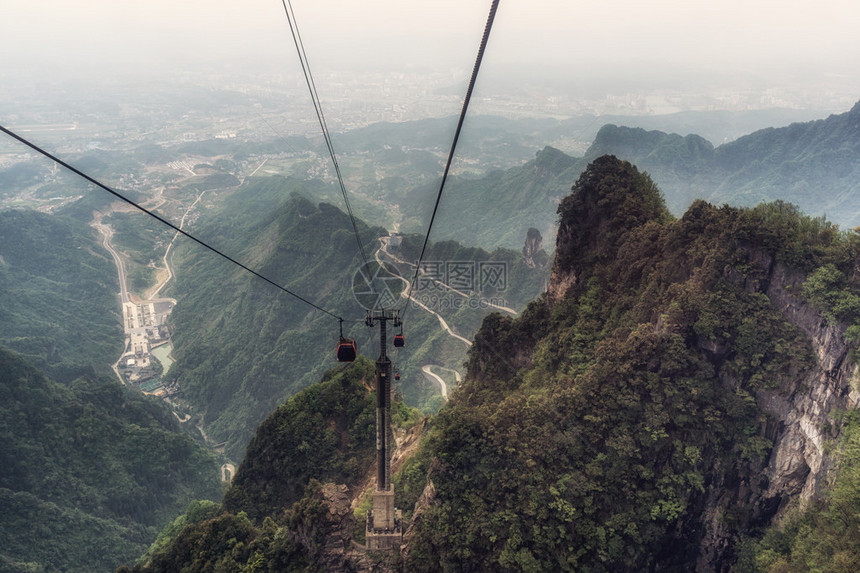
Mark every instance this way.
x=162 y=220
x=466 y=101
x=309 y=79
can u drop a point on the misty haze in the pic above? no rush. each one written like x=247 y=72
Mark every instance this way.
x=628 y=342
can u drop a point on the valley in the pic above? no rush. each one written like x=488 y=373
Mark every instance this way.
x=624 y=331
x=144 y=319
x=239 y=351
x=157 y=261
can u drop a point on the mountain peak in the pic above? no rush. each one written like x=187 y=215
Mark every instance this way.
x=550 y=161
x=610 y=198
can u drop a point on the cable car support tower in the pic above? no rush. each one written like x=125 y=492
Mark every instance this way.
x=384 y=527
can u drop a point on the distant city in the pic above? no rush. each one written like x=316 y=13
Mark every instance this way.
x=196 y=106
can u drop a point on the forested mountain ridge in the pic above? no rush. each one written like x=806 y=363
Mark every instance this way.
x=496 y=210
x=237 y=339
x=678 y=163
x=90 y=471
x=815 y=165
x=682 y=382
x=276 y=516
x=241 y=347
x=58 y=288
x=671 y=394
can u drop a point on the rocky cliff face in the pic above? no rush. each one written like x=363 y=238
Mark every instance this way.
x=533 y=249
x=801 y=414
x=334 y=554
x=802 y=408
x=805 y=406
x=427 y=500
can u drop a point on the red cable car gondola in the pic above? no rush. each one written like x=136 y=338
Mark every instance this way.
x=399 y=341
x=397 y=376
x=346 y=351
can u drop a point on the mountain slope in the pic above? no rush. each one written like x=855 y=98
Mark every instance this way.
x=326 y=431
x=671 y=394
x=655 y=408
x=59 y=295
x=814 y=165
x=676 y=163
x=242 y=347
x=91 y=471
x=498 y=209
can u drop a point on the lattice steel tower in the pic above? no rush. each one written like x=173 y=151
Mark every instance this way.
x=384 y=529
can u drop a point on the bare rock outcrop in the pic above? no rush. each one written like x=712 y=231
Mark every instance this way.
x=800 y=416
x=335 y=552
x=532 y=249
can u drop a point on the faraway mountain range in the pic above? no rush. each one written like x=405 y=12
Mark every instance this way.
x=677 y=390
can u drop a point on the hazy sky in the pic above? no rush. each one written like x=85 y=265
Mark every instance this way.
x=606 y=37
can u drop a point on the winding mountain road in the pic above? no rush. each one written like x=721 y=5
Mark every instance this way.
x=426 y=370
x=384 y=241
x=107 y=234
x=170 y=246
x=406 y=284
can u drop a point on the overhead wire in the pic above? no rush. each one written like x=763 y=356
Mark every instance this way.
x=309 y=79
x=493 y=8
x=277 y=133
x=120 y=196
x=326 y=135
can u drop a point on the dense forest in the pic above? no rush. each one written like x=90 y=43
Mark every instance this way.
x=91 y=471
x=628 y=420
x=59 y=294
x=274 y=516
x=236 y=338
